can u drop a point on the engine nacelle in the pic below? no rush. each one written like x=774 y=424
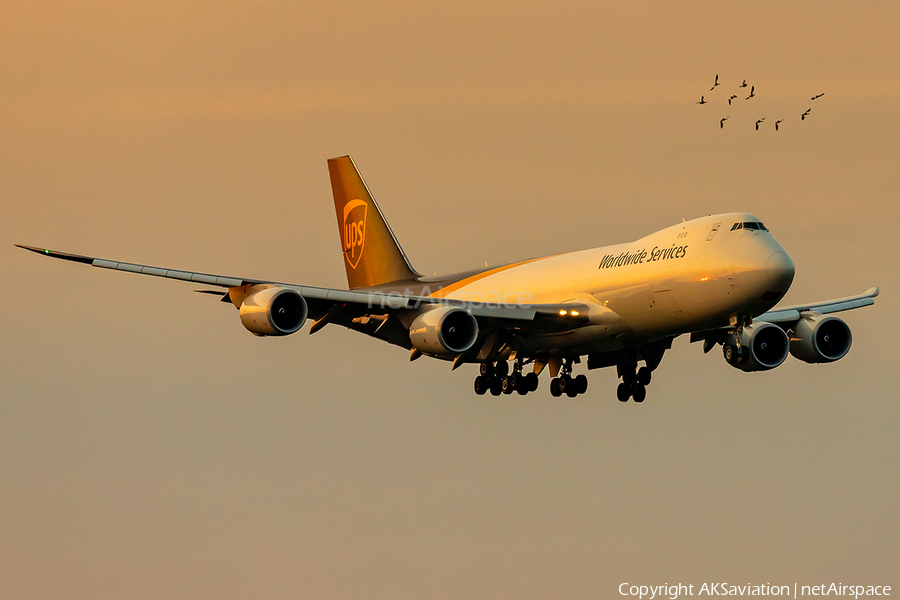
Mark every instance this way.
x=820 y=339
x=444 y=331
x=273 y=311
x=764 y=346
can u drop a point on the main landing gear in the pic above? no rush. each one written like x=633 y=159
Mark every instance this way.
x=634 y=384
x=497 y=379
x=566 y=384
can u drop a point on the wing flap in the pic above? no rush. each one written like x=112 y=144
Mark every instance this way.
x=779 y=316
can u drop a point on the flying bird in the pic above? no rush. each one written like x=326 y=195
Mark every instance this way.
x=731 y=98
x=818 y=95
x=722 y=123
x=702 y=101
x=752 y=92
x=716 y=83
x=744 y=84
x=776 y=124
x=803 y=116
x=758 y=122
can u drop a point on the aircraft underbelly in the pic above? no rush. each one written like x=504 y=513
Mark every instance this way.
x=591 y=338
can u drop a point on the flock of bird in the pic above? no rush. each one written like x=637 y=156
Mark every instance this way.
x=752 y=94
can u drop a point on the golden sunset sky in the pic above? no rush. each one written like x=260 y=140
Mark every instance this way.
x=150 y=447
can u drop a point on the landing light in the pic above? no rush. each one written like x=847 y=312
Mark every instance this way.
x=563 y=313
x=574 y=313
x=704 y=278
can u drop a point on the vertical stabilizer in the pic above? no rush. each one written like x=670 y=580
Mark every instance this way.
x=372 y=255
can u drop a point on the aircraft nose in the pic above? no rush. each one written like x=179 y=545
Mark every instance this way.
x=780 y=271
x=762 y=268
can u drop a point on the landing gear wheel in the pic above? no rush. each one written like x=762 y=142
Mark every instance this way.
x=643 y=376
x=506 y=384
x=522 y=386
x=639 y=393
x=623 y=392
x=481 y=385
x=486 y=369
x=518 y=381
x=531 y=382
x=554 y=388
x=730 y=354
x=564 y=382
x=496 y=386
x=572 y=389
x=581 y=384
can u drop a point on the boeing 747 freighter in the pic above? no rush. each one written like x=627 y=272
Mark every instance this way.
x=716 y=278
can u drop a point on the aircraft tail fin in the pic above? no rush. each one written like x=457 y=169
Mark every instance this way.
x=372 y=255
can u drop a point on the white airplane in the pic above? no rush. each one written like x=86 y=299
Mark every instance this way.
x=716 y=278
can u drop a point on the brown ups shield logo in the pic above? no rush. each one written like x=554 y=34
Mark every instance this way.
x=354 y=233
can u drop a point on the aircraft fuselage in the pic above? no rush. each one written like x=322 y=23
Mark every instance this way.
x=692 y=276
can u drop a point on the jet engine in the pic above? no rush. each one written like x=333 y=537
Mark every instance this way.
x=820 y=339
x=273 y=311
x=444 y=331
x=764 y=346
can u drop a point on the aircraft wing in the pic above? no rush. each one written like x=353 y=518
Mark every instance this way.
x=793 y=313
x=551 y=316
x=788 y=316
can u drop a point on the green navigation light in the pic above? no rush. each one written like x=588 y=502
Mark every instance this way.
x=46 y=252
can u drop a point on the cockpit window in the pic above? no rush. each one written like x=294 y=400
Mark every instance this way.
x=749 y=225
